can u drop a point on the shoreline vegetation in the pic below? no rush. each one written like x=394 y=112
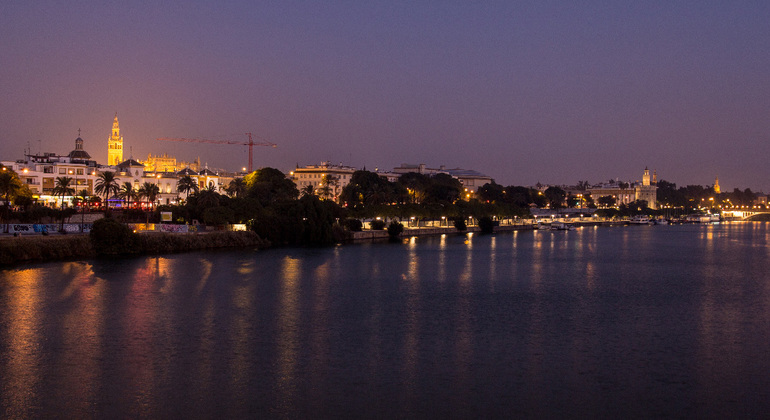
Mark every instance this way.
x=275 y=213
x=26 y=249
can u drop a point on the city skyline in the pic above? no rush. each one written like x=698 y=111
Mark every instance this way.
x=552 y=93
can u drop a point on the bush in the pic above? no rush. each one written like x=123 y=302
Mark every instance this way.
x=486 y=224
x=377 y=224
x=353 y=225
x=32 y=248
x=110 y=237
x=395 y=229
x=460 y=225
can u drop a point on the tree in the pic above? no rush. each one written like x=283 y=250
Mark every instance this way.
x=583 y=185
x=127 y=193
x=107 y=185
x=63 y=187
x=187 y=185
x=491 y=192
x=606 y=201
x=150 y=191
x=269 y=185
x=367 y=189
x=306 y=191
x=10 y=186
x=236 y=188
x=573 y=201
x=555 y=197
x=444 y=189
x=207 y=198
x=538 y=198
x=329 y=185
x=416 y=184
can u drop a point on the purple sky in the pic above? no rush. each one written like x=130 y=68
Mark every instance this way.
x=525 y=92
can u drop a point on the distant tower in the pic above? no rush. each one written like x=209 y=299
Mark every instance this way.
x=654 y=177
x=115 y=145
x=646 y=177
x=717 y=190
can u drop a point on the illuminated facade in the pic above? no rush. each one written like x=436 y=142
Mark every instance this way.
x=646 y=190
x=166 y=163
x=315 y=175
x=115 y=145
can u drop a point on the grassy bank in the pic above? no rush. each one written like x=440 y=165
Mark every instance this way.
x=44 y=248
x=51 y=248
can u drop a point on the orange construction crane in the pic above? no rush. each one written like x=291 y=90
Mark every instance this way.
x=249 y=143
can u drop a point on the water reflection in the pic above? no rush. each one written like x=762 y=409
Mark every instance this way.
x=412 y=321
x=288 y=332
x=638 y=322
x=21 y=362
x=82 y=333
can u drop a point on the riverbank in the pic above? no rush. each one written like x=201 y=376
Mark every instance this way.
x=23 y=249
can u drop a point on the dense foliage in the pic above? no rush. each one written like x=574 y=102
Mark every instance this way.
x=110 y=237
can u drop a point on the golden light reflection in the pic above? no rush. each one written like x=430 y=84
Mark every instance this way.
x=441 y=271
x=83 y=329
x=288 y=330
x=205 y=268
x=139 y=325
x=207 y=345
x=492 y=262
x=537 y=260
x=240 y=334
x=319 y=343
x=22 y=374
x=412 y=333
x=463 y=349
x=590 y=275
x=162 y=268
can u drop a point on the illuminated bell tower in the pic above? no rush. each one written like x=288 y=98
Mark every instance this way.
x=115 y=144
x=717 y=190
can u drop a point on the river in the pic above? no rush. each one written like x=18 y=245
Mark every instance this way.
x=637 y=321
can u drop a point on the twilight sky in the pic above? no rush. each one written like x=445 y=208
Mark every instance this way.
x=548 y=91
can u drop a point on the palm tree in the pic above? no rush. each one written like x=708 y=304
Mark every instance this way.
x=107 y=185
x=307 y=190
x=10 y=185
x=329 y=186
x=127 y=193
x=83 y=198
x=62 y=187
x=150 y=191
x=208 y=197
x=236 y=187
x=187 y=185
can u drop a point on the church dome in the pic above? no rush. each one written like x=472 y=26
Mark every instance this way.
x=79 y=153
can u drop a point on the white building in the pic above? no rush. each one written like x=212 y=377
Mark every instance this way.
x=39 y=173
x=317 y=176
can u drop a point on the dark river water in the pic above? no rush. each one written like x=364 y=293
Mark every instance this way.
x=624 y=322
